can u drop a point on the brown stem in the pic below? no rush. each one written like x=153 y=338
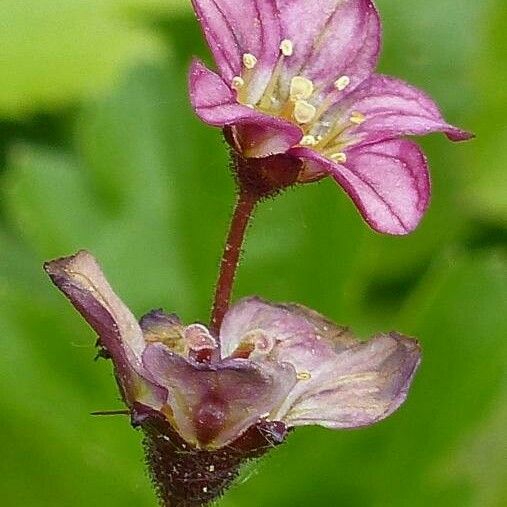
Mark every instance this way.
x=243 y=210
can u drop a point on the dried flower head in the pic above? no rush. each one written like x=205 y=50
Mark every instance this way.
x=208 y=402
x=297 y=83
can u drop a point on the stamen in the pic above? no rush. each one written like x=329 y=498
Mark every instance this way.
x=304 y=112
x=303 y=375
x=287 y=47
x=357 y=117
x=308 y=140
x=198 y=338
x=340 y=157
x=301 y=88
x=342 y=83
x=249 y=61
x=237 y=83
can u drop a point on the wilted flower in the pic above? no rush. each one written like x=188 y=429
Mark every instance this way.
x=297 y=90
x=208 y=402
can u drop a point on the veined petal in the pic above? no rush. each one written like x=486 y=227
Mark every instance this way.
x=252 y=313
x=215 y=103
x=389 y=182
x=80 y=278
x=392 y=108
x=331 y=38
x=299 y=336
x=234 y=28
x=364 y=384
x=213 y=404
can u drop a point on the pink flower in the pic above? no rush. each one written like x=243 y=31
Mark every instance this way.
x=277 y=366
x=297 y=79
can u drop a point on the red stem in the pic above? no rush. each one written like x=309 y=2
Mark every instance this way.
x=243 y=210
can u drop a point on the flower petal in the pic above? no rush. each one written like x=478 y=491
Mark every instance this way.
x=389 y=182
x=393 y=108
x=233 y=28
x=283 y=322
x=215 y=103
x=332 y=38
x=213 y=404
x=80 y=278
x=365 y=384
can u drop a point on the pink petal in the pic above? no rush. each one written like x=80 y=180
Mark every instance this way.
x=331 y=39
x=233 y=28
x=393 y=108
x=215 y=103
x=302 y=337
x=364 y=384
x=213 y=404
x=389 y=182
x=80 y=278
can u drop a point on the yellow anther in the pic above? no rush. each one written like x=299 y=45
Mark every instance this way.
x=287 y=47
x=301 y=88
x=237 y=83
x=357 y=117
x=308 y=140
x=249 y=60
x=340 y=157
x=342 y=83
x=303 y=375
x=304 y=112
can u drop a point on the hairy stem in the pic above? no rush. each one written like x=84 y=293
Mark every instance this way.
x=243 y=210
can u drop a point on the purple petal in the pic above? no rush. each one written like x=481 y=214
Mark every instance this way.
x=365 y=384
x=258 y=135
x=281 y=321
x=80 y=278
x=393 y=108
x=332 y=38
x=233 y=28
x=389 y=182
x=213 y=404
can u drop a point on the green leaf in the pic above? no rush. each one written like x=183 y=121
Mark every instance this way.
x=56 y=51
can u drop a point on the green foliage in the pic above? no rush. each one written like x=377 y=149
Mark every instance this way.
x=133 y=176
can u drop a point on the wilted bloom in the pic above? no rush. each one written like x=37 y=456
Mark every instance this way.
x=208 y=402
x=297 y=87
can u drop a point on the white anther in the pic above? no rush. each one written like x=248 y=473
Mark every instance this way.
x=301 y=88
x=249 y=60
x=357 y=117
x=340 y=157
x=287 y=47
x=304 y=112
x=237 y=83
x=342 y=83
x=308 y=140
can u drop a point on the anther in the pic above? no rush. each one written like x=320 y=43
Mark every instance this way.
x=304 y=112
x=308 y=140
x=304 y=375
x=340 y=157
x=286 y=47
x=249 y=60
x=357 y=117
x=342 y=83
x=237 y=83
x=301 y=88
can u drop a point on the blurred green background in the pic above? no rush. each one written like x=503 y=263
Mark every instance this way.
x=99 y=149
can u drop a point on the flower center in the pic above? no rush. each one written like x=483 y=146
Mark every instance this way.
x=301 y=102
